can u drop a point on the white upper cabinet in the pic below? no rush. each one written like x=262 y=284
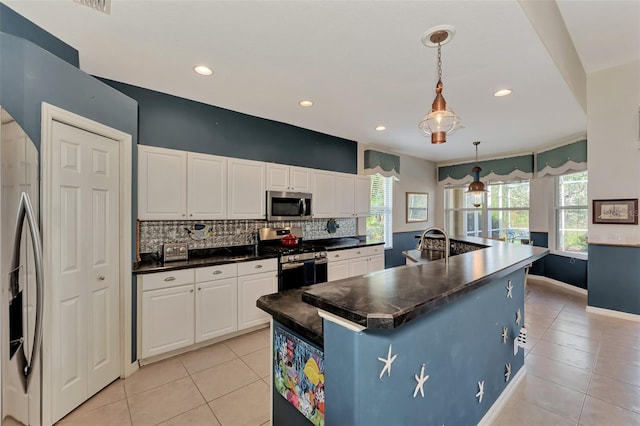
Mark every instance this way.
x=344 y=195
x=299 y=179
x=247 y=189
x=362 y=196
x=162 y=183
x=288 y=178
x=323 y=193
x=207 y=186
x=277 y=177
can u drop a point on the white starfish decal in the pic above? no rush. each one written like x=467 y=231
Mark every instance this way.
x=507 y=375
x=420 y=380
x=505 y=335
x=387 y=363
x=509 y=290
x=518 y=317
x=480 y=393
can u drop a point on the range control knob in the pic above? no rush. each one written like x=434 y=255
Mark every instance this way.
x=290 y=258
x=182 y=249
x=169 y=250
x=296 y=257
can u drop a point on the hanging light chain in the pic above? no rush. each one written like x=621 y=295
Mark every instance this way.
x=439 y=61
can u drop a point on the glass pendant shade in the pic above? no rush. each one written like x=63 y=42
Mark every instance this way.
x=440 y=121
x=477 y=189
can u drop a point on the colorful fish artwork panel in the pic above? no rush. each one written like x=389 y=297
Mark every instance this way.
x=298 y=374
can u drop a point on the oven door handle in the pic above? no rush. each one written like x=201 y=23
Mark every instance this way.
x=322 y=261
x=294 y=265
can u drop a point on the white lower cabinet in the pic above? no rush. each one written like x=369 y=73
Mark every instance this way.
x=337 y=270
x=358 y=266
x=354 y=262
x=216 y=301
x=167 y=319
x=255 y=279
x=180 y=308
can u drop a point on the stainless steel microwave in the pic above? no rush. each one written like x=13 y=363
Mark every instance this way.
x=289 y=205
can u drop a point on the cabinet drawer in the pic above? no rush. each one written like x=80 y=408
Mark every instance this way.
x=257 y=266
x=375 y=250
x=166 y=279
x=358 y=252
x=219 y=272
x=338 y=255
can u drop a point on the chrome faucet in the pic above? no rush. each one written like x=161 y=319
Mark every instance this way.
x=421 y=242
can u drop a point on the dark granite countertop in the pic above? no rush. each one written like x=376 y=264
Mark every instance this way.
x=201 y=258
x=346 y=243
x=288 y=309
x=222 y=255
x=392 y=297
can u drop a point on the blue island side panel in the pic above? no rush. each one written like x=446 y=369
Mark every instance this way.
x=460 y=345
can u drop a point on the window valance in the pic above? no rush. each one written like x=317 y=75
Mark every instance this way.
x=503 y=169
x=380 y=162
x=563 y=159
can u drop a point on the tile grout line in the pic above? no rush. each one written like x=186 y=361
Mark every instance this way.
x=126 y=398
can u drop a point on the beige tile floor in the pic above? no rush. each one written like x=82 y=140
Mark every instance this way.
x=582 y=369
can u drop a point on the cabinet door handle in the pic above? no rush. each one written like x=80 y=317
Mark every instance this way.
x=217 y=272
x=101 y=277
x=170 y=279
x=258 y=266
x=191 y=291
x=199 y=288
x=336 y=255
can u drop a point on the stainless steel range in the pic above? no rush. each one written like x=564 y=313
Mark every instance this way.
x=301 y=263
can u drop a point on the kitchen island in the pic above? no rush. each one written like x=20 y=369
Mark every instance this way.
x=430 y=343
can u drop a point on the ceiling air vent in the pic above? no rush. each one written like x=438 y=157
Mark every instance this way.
x=103 y=6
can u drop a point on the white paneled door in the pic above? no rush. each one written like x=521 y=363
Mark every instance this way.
x=85 y=266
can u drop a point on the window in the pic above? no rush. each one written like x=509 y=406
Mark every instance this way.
x=504 y=212
x=379 y=223
x=571 y=212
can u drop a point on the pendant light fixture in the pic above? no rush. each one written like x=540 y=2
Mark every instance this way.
x=477 y=189
x=440 y=121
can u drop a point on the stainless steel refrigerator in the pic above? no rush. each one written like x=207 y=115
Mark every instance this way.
x=22 y=277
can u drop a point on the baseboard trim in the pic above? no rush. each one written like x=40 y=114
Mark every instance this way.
x=560 y=284
x=615 y=314
x=490 y=416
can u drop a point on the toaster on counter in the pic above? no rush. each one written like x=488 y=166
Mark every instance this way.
x=174 y=251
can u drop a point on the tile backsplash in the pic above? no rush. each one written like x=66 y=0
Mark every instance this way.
x=227 y=233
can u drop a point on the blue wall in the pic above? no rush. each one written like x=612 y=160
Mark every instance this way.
x=172 y=122
x=458 y=350
x=562 y=268
x=614 y=282
x=15 y=24
x=401 y=241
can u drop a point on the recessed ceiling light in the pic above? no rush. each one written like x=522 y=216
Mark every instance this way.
x=203 y=70
x=502 y=92
x=381 y=128
x=305 y=103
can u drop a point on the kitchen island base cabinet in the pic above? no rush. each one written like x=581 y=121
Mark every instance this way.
x=167 y=319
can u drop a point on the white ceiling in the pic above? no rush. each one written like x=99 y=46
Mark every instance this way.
x=361 y=62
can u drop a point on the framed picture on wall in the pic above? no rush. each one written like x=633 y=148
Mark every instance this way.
x=417 y=207
x=623 y=212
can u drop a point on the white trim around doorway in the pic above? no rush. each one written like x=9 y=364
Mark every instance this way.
x=51 y=113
